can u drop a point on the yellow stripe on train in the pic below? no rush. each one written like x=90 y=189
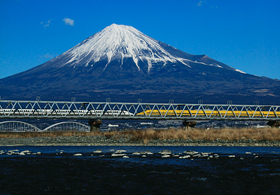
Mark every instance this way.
x=221 y=113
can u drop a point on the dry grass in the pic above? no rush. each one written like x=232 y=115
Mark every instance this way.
x=270 y=134
x=265 y=134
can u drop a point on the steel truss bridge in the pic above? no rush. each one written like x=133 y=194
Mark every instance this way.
x=96 y=111
x=11 y=109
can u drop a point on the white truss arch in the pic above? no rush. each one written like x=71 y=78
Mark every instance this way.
x=20 y=126
x=68 y=126
x=17 y=126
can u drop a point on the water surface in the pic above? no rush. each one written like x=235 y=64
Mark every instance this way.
x=56 y=169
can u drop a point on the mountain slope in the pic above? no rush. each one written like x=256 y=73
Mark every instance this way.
x=124 y=64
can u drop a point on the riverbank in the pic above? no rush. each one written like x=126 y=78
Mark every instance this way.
x=172 y=137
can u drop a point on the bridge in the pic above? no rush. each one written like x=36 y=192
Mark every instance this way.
x=96 y=111
x=20 y=126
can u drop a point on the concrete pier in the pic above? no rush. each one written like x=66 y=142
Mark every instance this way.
x=273 y=123
x=94 y=125
x=188 y=124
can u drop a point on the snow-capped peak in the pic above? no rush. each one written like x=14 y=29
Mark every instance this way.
x=119 y=42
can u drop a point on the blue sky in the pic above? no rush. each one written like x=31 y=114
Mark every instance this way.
x=241 y=34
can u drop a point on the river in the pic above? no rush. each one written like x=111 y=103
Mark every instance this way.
x=139 y=170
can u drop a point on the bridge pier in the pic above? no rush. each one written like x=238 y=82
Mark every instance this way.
x=273 y=123
x=188 y=124
x=94 y=125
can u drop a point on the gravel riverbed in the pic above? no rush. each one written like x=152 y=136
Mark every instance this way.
x=124 y=140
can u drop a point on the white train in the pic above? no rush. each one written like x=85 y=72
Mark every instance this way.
x=64 y=112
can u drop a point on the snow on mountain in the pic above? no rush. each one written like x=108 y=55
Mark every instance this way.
x=120 y=42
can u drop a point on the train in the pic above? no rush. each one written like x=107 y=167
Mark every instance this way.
x=152 y=113
x=207 y=113
x=64 y=112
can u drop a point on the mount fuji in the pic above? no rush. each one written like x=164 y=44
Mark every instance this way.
x=124 y=64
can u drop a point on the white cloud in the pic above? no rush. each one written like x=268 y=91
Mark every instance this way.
x=199 y=3
x=46 y=24
x=68 y=21
x=48 y=56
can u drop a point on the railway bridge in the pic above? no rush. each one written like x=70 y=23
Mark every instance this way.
x=95 y=112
